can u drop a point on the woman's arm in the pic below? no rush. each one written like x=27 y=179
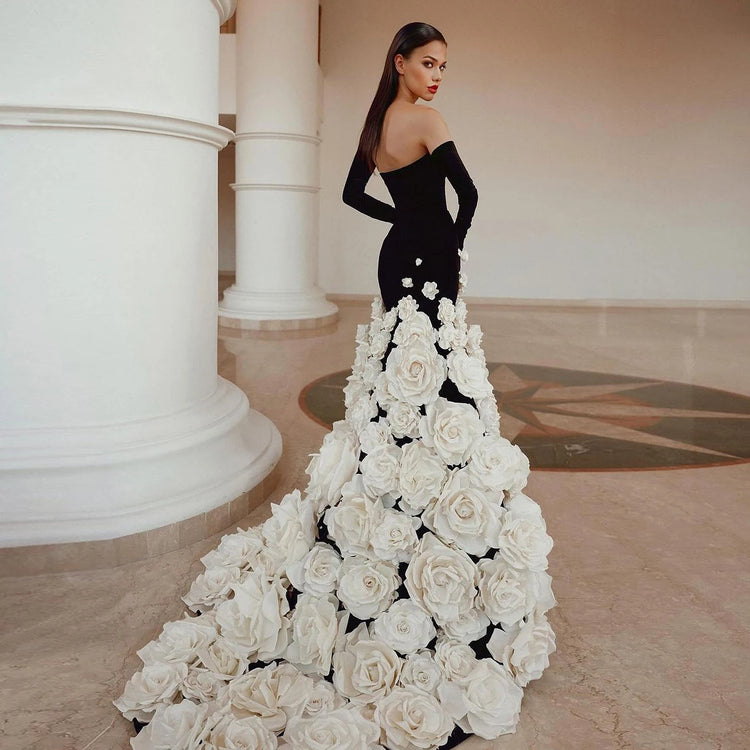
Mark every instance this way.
x=447 y=158
x=438 y=139
x=354 y=194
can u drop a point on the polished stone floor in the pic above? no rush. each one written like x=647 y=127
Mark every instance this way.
x=636 y=424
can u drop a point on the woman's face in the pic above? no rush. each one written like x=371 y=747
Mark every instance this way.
x=423 y=71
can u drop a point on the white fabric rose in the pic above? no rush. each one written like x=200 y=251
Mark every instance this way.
x=350 y=523
x=452 y=428
x=314 y=627
x=231 y=733
x=237 y=550
x=379 y=341
x=317 y=572
x=367 y=587
x=421 y=670
x=450 y=337
x=523 y=540
x=370 y=372
x=430 y=289
x=421 y=476
x=274 y=693
x=395 y=537
x=507 y=594
x=151 y=686
x=405 y=626
x=474 y=340
x=417 y=261
x=407 y=282
x=415 y=372
x=527 y=653
x=460 y=306
x=333 y=466
x=412 y=719
x=406 y=306
x=441 y=579
x=493 y=463
x=384 y=391
x=222 y=658
x=377 y=308
x=375 y=435
x=178 y=726
x=470 y=626
x=254 y=619
x=446 y=310
x=521 y=474
x=417 y=329
x=322 y=698
x=202 y=685
x=342 y=729
x=291 y=528
x=457 y=661
x=403 y=419
x=362 y=411
x=464 y=515
x=492 y=701
x=365 y=669
x=380 y=471
x=355 y=387
x=469 y=373
x=389 y=319
x=180 y=640
x=489 y=415
x=211 y=587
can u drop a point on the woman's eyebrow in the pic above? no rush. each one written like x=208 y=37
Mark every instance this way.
x=432 y=58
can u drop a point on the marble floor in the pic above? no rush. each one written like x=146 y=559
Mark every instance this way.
x=636 y=424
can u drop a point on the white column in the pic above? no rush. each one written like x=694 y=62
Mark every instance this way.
x=277 y=171
x=112 y=417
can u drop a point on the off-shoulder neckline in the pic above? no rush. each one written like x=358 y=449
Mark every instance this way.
x=416 y=161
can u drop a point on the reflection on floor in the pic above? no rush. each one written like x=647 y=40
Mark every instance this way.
x=648 y=566
x=579 y=420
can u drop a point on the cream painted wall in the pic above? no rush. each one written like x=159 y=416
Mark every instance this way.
x=608 y=142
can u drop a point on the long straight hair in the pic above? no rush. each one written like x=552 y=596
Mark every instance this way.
x=408 y=37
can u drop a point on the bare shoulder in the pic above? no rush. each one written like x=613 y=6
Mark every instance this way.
x=433 y=127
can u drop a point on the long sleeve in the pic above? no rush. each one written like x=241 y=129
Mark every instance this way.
x=354 y=194
x=446 y=156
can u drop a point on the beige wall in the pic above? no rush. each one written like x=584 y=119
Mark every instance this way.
x=608 y=142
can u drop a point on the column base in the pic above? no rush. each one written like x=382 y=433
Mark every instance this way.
x=102 y=482
x=276 y=310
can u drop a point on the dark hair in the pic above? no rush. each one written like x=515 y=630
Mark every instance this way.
x=408 y=37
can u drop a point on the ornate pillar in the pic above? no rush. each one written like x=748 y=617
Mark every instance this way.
x=112 y=417
x=277 y=171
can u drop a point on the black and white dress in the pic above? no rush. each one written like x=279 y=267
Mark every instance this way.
x=399 y=601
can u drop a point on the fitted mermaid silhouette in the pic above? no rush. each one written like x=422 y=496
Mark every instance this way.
x=399 y=601
x=424 y=242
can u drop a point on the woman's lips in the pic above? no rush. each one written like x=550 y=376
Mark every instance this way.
x=433 y=88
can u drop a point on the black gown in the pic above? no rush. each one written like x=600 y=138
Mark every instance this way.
x=403 y=593
x=423 y=244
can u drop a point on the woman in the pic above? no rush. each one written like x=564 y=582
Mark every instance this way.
x=414 y=153
x=400 y=601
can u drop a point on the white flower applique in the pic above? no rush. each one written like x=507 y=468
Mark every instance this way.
x=430 y=289
x=418 y=262
x=407 y=282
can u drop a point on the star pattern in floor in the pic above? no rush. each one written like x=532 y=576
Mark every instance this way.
x=577 y=420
